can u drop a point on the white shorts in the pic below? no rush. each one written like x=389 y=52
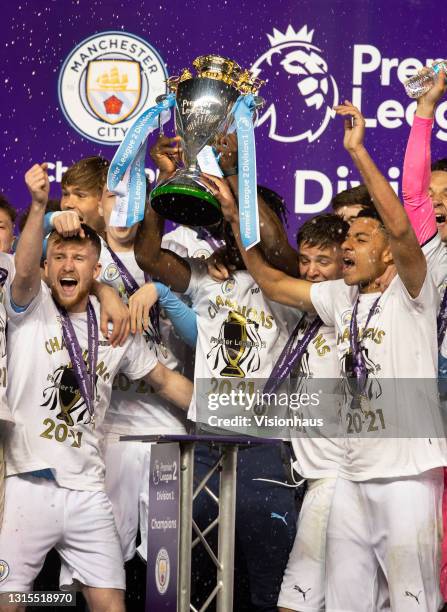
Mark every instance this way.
x=127 y=486
x=39 y=516
x=303 y=584
x=383 y=544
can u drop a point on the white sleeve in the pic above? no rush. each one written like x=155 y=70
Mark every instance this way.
x=138 y=359
x=427 y=299
x=18 y=314
x=435 y=253
x=172 y=242
x=323 y=299
x=199 y=271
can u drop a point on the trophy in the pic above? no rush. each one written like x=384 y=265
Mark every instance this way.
x=203 y=109
x=235 y=335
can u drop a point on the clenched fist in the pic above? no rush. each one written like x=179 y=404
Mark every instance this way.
x=36 y=180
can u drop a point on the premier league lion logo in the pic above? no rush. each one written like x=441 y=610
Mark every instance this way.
x=298 y=83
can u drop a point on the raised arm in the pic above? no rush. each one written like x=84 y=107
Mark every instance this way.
x=417 y=162
x=275 y=284
x=161 y=264
x=274 y=243
x=26 y=283
x=407 y=254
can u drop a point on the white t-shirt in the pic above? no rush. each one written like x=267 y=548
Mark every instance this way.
x=53 y=428
x=235 y=306
x=318 y=455
x=398 y=344
x=184 y=242
x=135 y=408
x=7 y=269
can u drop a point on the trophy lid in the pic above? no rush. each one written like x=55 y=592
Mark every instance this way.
x=222 y=69
x=216 y=66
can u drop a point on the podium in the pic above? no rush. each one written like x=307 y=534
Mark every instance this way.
x=162 y=593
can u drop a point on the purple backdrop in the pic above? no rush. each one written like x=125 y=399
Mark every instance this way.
x=309 y=51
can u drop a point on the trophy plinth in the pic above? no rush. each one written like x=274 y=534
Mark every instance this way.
x=203 y=109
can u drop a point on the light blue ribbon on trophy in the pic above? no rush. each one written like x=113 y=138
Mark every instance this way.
x=248 y=196
x=126 y=177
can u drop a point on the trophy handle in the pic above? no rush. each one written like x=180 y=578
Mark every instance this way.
x=259 y=103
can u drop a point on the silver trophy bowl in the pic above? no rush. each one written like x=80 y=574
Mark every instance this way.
x=202 y=111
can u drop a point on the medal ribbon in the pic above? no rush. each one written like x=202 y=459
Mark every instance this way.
x=442 y=319
x=247 y=184
x=126 y=177
x=85 y=379
x=360 y=370
x=131 y=286
x=290 y=356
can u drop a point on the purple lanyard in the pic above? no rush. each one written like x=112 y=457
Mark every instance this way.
x=359 y=366
x=205 y=234
x=86 y=379
x=131 y=286
x=442 y=319
x=290 y=356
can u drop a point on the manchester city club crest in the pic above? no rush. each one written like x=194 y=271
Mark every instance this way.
x=229 y=285
x=111 y=273
x=107 y=81
x=113 y=88
x=201 y=253
x=162 y=571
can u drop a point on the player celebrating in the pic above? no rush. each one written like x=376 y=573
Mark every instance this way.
x=61 y=375
x=82 y=186
x=387 y=497
x=135 y=408
x=222 y=307
x=312 y=355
